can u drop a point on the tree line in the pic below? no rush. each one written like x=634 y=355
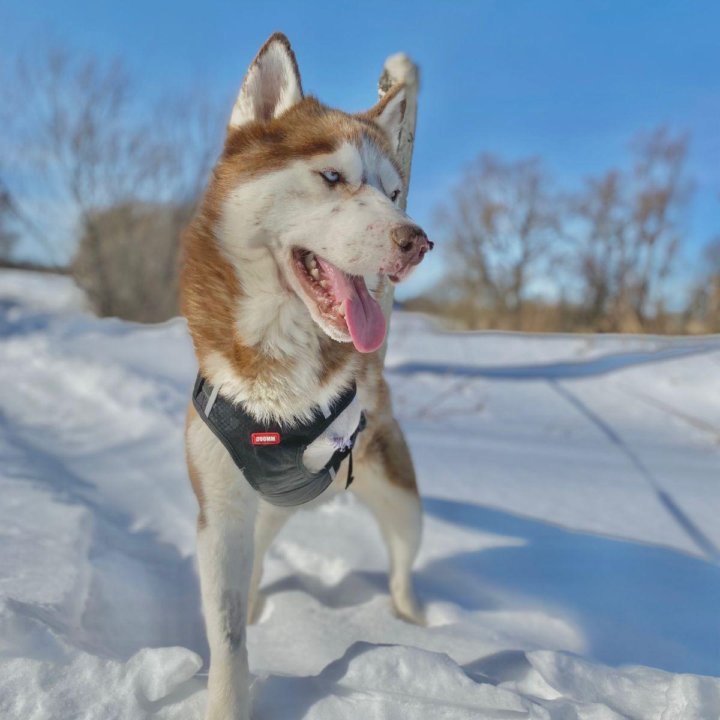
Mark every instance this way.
x=607 y=257
x=101 y=182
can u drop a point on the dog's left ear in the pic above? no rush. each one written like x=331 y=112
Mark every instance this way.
x=272 y=84
x=389 y=113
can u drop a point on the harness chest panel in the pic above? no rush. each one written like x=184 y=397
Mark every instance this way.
x=270 y=455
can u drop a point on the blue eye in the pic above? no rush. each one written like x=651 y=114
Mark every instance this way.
x=332 y=177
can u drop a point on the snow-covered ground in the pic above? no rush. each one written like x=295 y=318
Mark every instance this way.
x=570 y=564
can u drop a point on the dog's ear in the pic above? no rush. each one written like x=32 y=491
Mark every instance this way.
x=271 y=86
x=389 y=113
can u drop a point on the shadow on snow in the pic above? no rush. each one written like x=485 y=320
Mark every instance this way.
x=635 y=603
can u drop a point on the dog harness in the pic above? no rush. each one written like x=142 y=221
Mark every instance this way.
x=270 y=454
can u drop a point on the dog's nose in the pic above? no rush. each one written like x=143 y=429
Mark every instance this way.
x=412 y=241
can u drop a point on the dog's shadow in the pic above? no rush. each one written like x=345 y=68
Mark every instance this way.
x=633 y=603
x=356 y=588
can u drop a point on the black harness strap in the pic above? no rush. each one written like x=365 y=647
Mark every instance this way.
x=270 y=454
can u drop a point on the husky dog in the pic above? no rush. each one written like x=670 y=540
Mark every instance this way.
x=301 y=208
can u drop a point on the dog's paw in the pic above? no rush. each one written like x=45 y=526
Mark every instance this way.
x=410 y=611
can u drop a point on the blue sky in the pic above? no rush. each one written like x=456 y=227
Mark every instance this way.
x=569 y=81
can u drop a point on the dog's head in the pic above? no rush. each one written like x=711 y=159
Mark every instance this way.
x=319 y=189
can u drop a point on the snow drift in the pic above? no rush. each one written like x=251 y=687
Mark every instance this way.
x=569 y=564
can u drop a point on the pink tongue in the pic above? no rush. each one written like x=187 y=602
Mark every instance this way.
x=363 y=314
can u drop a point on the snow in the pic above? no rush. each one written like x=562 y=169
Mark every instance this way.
x=570 y=562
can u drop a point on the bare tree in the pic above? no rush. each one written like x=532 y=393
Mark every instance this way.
x=501 y=225
x=92 y=149
x=628 y=232
x=86 y=128
x=8 y=234
x=703 y=312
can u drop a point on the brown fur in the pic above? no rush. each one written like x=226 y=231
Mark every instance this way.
x=208 y=286
x=308 y=128
x=386 y=444
x=210 y=292
x=335 y=357
x=383 y=441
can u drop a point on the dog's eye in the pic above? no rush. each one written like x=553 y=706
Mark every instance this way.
x=394 y=195
x=331 y=177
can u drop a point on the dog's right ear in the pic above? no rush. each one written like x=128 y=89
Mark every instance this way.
x=389 y=113
x=272 y=84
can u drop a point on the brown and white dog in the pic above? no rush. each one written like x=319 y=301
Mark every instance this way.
x=301 y=207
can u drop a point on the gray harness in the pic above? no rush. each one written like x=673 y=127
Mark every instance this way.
x=269 y=454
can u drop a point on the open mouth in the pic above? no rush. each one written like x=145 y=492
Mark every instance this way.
x=341 y=301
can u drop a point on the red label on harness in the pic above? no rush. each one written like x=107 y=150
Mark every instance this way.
x=265 y=438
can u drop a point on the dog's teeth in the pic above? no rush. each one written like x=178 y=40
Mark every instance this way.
x=324 y=283
x=341 y=310
x=310 y=262
x=315 y=274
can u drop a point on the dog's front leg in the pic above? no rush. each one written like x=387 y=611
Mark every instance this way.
x=225 y=558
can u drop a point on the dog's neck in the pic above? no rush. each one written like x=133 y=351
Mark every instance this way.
x=254 y=337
